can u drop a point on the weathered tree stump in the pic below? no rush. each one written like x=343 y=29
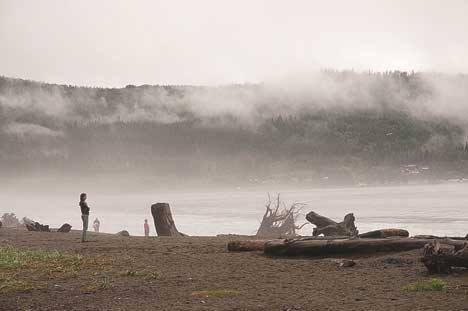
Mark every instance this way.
x=384 y=233
x=65 y=228
x=328 y=227
x=163 y=221
x=440 y=258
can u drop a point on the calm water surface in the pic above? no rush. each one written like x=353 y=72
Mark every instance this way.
x=428 y=209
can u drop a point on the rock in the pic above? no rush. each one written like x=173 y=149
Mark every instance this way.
x=65 y=228
x=123 y=233
x=344 y=262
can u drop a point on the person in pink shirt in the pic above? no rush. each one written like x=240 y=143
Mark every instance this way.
x=146 y=226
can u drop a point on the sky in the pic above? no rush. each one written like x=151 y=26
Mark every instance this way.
x=213 y=42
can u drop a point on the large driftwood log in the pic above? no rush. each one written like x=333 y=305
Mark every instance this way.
x=440 y=258
x=384 y=233
x=163 y=221
x=307 y=247
x=259 y=245
x=246 y=245
x=328 y=227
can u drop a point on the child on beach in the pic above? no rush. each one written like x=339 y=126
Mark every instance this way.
x=96 y=225
x=146 y=226
x=84 y=215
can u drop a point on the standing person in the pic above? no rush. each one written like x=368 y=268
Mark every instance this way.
x=146 y=226
x=96 y=225
x=84 y=215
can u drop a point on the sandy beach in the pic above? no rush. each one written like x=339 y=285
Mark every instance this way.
x=198 y=273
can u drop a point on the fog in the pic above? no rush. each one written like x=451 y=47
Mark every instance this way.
x=349 y=106
x=113 y=43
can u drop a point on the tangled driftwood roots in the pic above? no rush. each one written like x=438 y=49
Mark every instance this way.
x=279 y=220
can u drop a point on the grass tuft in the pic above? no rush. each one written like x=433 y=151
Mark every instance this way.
x=15 y=258
x=426 y=285
x=18 y=265
x=220 y=293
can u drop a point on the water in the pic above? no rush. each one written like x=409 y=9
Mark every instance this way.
x=429 y=209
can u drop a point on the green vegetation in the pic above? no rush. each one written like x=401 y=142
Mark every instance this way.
x=29 y=269
x=14 y=259
x=427 y=285
x=220 y=293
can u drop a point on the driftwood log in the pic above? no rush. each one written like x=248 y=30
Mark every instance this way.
x=163 y=221
x=259 y=245
x=328 y=227
x=441 y=258
x=433 y=237
x=246 y=245
x=35 y=226
x=308 y=247
x=384 y=233
x=65 y=228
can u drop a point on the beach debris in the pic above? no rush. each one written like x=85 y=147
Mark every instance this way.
x=433 y=237
x=35 y=226
x=279 y=221
x=246 y=245
x=163 y=221
x=259 y=245
x=439 y=257
x=328 y=227
x=384 y=233
x=65 y=228
x=311 y=248
x=344 y=263
x=123 y=233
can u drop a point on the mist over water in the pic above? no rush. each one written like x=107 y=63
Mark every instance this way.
x=425 y=209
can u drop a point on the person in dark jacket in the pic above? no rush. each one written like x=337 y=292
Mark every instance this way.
x=84 y=215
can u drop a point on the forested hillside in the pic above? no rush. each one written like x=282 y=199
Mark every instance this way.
x=335 y=127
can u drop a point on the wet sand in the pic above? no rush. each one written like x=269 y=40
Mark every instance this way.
x=166 y=274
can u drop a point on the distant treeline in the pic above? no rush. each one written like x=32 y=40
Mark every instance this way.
x=367 y=121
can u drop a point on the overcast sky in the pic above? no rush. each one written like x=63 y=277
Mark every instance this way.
x=114 y=43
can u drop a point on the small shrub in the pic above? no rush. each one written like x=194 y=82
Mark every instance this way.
x=426 y=285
